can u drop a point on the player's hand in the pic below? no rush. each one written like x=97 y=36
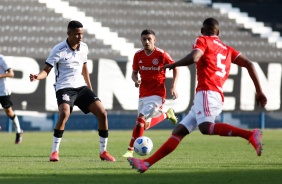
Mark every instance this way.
x=33 y=77
x=137 y=83
x=261 y=99
x=174 y=93
x=170 y=66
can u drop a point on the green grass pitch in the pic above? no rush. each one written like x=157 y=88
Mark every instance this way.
x=198 y=159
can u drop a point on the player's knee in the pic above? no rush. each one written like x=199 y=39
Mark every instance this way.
x=104 y=114
x=204 y=128
x=64 y=115
x=140 y=122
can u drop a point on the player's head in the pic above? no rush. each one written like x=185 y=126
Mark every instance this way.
x=210 y=27
x=75 y=32
x=148 y=39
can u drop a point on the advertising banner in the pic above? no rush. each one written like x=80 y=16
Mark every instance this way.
x=111 y=81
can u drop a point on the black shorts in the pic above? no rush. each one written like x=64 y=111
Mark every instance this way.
x=6 y=101
x=81 y=97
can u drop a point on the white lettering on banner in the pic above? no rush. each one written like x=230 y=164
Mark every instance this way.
x=230 y=102
x=26 y=66
x=271 y=86
x=111 y=81
x=114 y=83
x=50 y=99
x=183 y=88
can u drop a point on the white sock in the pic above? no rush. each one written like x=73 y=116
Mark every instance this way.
x=56 y=144
x=103 y=144
x=16 y=124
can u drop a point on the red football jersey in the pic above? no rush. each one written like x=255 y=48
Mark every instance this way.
x=149 y=68
x=214 y=66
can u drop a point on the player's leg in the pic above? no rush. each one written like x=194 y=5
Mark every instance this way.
x=99 y=111
x=87 y=101
x=147 y=107
x=157 y=115
x=19 y=132
x=186 y=126
x=169 y=114
x=64 y=113
x=137 y=131
x=212 y=105
x=65 y=101
x=7 y=105
x=223 y=129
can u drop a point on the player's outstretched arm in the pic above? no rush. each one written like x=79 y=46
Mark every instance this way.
x=8 y=73
x=246 y=63
x=42 y=75
x=191 y=58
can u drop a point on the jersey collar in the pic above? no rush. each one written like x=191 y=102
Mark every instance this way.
x=78 y=48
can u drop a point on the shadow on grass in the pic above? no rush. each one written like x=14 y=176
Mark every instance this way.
x=153 y=176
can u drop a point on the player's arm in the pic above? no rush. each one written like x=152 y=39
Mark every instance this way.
x=242 y=61
x=42 y=75
x=191 y=58
x=8 y=73
x=86 y=76
x=134 y=77
x=173 y=90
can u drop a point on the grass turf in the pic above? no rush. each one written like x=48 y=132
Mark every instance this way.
x=198 y=159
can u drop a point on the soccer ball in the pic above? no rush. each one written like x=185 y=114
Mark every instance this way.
x=143 y=145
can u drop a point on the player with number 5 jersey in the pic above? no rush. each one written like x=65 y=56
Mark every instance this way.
x=214 y=66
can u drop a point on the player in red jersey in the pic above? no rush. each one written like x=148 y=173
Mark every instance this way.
x=213 y=59
x=152 y=92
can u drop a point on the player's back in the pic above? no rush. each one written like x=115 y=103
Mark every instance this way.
x=214 y=66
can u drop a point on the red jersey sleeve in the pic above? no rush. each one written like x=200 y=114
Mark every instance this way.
x=167 y=58
x=135 y=66
x=234 y=54
x=200 y=43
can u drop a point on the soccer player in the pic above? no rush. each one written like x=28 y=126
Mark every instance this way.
x=73 y=87
x=213 y=60
x=5 y=97
x=152 y=92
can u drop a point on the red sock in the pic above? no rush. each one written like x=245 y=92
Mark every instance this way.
x=156 y=120
x=137 y=131
x=224 y=129
x=168 y=147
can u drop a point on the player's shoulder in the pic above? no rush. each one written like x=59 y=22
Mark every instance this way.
x=62 y=46
x=159 y=50
x=2 y=59
x=138 y=52
x=83 y=45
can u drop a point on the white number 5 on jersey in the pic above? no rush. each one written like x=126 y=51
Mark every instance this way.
x=219 y=64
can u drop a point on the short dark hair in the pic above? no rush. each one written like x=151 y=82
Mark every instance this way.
x=210 y=22
x=148 y=31
x=74 y=24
